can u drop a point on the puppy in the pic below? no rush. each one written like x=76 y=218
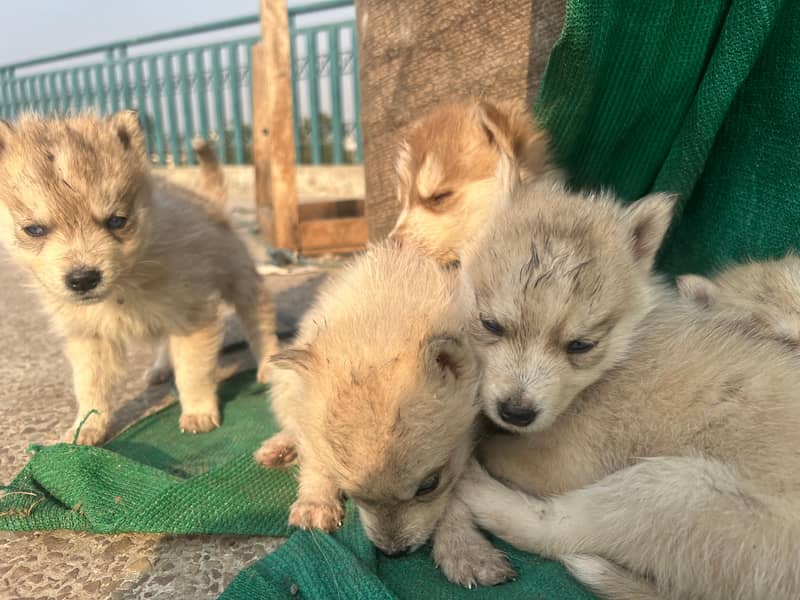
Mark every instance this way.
x=378 y=395
x=761 y=296
x=655 y=444
x=117 y=261
x=446 y=168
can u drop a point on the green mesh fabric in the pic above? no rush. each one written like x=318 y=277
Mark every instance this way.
x=151 y=478
x=697 y=98
x=346 y=565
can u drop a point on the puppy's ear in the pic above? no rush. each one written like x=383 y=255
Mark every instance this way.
x=299 y=359
x=700 y=290
x=128 y=130
x=648 y=220
x=446 y=358
x=514 y=132
x=6 y=133
x=498 y=126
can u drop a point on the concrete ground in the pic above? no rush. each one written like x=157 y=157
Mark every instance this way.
x=37 y=406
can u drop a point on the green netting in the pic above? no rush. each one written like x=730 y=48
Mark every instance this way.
x=697 y=98
x=151 y=478
x=312 y=565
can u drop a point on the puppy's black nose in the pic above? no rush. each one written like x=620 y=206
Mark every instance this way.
x=83 y=280
x=395 y=552
x=514 y=414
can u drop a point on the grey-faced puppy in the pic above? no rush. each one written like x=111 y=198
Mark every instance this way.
x=658 y=443
x=118 y=261
x=377 y=398
x=762 y=296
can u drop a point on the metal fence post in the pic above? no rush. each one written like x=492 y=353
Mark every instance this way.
x=336 y=94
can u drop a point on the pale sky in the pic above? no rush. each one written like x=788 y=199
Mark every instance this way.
x=33 y=28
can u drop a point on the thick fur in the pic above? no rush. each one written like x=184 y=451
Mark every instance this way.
x=669 y=448
x=446 y=168
x=378 y=394
x=164 y=271
x=761 y=296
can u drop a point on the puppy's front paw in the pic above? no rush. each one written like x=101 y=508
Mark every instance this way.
x=93 y=432
x=277 y=452
x=199 y=423
x=326 y=516
x=480 y=563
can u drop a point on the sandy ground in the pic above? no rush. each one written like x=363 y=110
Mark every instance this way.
x=36 y=406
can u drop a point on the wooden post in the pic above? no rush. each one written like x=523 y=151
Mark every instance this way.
x=273 y=135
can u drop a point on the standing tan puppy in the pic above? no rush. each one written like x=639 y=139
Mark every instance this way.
x=656 y=446
x=446 y=168
x=762 y=296
x=117 y=261
x=378 y=395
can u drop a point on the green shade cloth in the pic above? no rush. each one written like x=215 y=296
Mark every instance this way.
x=697 y=98
x=313 y=565
x=153 y=479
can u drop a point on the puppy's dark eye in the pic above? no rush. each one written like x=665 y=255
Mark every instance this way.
x=428 y=485
x=116 y=222
x=579 y=346
x=437 y=199
x=492 y=326
x=35 y=230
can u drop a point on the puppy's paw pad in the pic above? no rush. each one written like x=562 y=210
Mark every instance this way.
x=199 y=423
x=316 y=515
x=483 y=566
x=277 y=452
x=157 y=375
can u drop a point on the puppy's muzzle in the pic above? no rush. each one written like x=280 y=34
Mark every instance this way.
x=399 y=551
x=395 y=552
x=515 y=413
x=82 y=281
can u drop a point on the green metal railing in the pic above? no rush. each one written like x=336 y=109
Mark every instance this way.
x=206 y=89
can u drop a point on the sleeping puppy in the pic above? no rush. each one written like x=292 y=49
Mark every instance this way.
x=446 y=171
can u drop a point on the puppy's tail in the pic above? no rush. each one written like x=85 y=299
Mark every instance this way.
x=608 y=580
x=212 y=178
